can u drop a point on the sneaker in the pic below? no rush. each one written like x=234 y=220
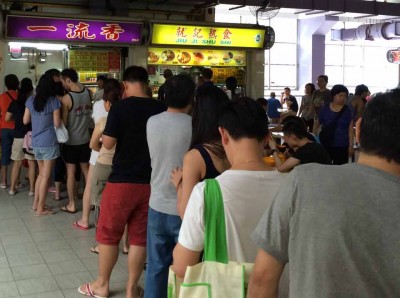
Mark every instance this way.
x=31 y=193
x=12 y=192
x=3 y=186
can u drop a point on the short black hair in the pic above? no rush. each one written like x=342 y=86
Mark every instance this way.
x=101 y=78
x=167 y=73
x=70 y=74
x=295 y=126
x=231 y=83
x=207 y=73
x=11 y=81
x=262 y=101
x=53 y=72
x=135 y=74
x=286 y=88
x=380 y=126
x=244 y=118
x=324 y=77
x=179 y=91
x=360 y=89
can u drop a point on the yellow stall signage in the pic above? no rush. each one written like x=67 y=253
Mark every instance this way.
x=208 y=36
x=196 y=57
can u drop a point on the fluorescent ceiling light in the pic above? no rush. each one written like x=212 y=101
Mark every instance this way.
x=39 y=46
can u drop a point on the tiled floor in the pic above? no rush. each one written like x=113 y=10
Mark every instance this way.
x=45 y=256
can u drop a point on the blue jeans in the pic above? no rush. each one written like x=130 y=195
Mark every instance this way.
x=7 y=139
x=162 y=236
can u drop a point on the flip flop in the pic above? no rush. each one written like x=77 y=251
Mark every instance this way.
x=78 y=226
x=66 y=210
x=89 y=291
x=94 y=250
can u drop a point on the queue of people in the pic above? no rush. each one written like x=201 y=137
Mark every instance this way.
x=147 y=163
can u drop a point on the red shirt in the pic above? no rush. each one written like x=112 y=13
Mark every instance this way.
x=5 y=101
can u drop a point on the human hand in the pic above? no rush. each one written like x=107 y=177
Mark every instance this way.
x=272 y=144
x=176 y=177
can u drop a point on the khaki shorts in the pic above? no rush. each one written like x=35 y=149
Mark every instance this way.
x=17 y=153
x=101 y=173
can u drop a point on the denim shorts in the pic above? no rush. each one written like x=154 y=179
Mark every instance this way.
x=46 y=153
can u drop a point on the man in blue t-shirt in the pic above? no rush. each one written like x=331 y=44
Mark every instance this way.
x=273 y=106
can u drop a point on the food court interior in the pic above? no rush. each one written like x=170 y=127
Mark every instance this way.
x=46 y=257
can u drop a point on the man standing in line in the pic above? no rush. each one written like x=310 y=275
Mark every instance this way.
x=125 y=199
x=76 y=115
x=7 y=127
x=168 y=136
x=337 y=226
x=161 y=91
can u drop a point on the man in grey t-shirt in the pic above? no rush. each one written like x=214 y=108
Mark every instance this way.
x=168 y=136
x=337 y=227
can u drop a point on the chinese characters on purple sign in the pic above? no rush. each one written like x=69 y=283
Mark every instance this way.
x=73 y=30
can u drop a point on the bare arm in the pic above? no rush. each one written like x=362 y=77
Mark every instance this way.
x=57 y=118
x=193 y=166
x=66 y=105
x=27 y=116
x=184 y=257
x=95 y=143
x=285 y=166
x=109 y=142
x=265 y=278
x=9 y=116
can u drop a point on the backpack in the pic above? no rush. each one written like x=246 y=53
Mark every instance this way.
x=27 y=145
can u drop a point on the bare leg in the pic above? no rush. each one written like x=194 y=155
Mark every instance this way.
x=47 y=167
x=85 y=170
x=32 y=175
x=125 y=241
x=15 y=170
x=57 y=194
x=136 y=260
x=108 y=256
x=71 y=168
x=37 y=186
x=84 y=221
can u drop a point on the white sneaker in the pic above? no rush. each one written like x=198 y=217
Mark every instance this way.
x=31 y=194
x=12 y=192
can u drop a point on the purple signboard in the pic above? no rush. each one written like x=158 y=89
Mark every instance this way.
x=73 y=30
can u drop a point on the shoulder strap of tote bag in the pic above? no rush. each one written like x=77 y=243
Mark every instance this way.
x=215 y=246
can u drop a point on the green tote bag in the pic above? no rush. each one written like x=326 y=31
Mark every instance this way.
x=215 y=277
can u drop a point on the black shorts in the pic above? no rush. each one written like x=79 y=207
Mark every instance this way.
x=76 y=153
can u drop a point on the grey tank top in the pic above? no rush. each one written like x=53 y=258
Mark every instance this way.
x=79 y=118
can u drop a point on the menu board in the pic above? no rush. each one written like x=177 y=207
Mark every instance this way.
x=95 y=61
x=196 y=57
x=221 y=73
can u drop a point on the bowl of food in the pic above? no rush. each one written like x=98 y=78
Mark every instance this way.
x=198 y=57
x=184 y=57
x=213 y=59
x=168 y=56
x=228 y=56
x=239 y=59
x=152 y=57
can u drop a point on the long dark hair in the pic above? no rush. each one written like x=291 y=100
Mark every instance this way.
x=206 y=111
x=44 y=90
x=112 y=90
x=25 y=90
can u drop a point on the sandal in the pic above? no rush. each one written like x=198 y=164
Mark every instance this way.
x=94 y=250
x=87 y=291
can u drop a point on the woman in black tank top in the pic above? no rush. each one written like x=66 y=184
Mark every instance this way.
x=206 y=157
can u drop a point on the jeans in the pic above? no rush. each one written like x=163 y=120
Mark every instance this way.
x=162 y=236
x=7 y=139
